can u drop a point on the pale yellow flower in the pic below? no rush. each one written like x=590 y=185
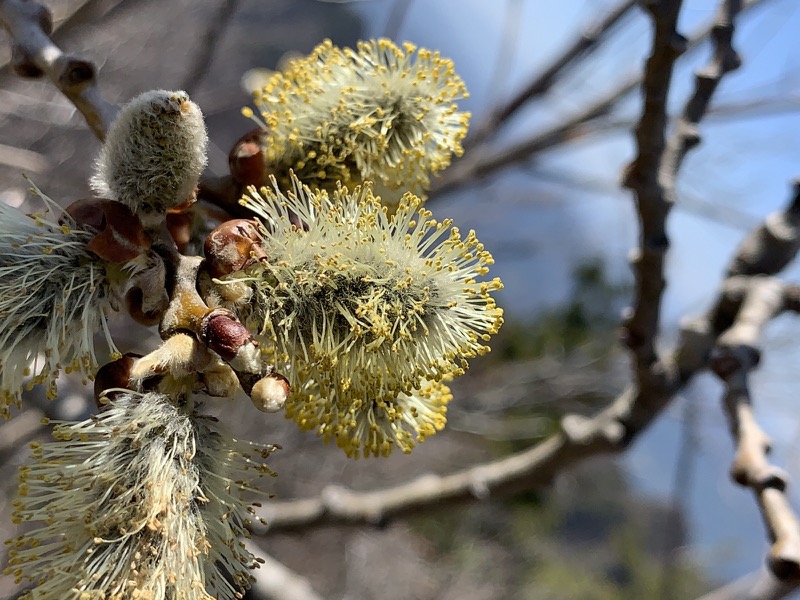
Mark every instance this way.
x=365 y=309
x=370 y=427
x=381 y=112
x=54 y=296
x=143 y=501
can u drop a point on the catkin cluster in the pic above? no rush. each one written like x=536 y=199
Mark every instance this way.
x=370 y=313
x=367 y=305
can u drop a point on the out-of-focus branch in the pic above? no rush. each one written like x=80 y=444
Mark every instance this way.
x=652 y=174
x=780 y=231
x=736 y=354
x=642 y=176
x=337 y=505
x=580 y=48
x=480 y=163
x=724 y=60
x=275 y=580
x=761 y=585
x=34 y=54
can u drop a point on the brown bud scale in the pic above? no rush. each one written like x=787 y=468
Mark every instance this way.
x=120 y=234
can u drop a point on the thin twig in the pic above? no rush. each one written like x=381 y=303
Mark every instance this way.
x=580 y=48
x=34 y=54
x=760 y=585
x=736 y=354
x=642 y=177
x=480 y=163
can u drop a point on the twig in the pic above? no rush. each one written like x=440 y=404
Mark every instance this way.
x=724 y=60
x=780 y=232
x=737 y=353
x=276 y=581
x=580 y=48
x=93 y=11
x=642 y=176
x=34 y=54
x=760 y=585
x=480 y=164
x=653 y=173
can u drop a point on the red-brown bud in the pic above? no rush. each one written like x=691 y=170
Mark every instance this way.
x=246 y=159
x=224 y=334
x=232 y=246
x=120 y=235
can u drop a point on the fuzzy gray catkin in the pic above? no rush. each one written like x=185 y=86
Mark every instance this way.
x=153 y=155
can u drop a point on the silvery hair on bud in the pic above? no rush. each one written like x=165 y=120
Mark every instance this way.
x=154 y=153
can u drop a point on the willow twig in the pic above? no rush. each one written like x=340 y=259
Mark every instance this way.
x=34 y=55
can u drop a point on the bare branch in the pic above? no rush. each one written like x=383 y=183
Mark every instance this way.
x=761 y=585
x=780 y=233
x=642 y=177
x=34 y=54
x=653 y=173
x=480 y=164
x=736 y=354
x=337 y=505
x=724 y=60
x=580 y=48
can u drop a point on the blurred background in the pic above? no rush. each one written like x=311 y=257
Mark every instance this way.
x=661 y=521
